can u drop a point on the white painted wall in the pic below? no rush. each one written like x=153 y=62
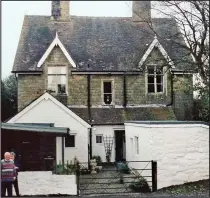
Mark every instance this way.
x=106 y=130
x=45 y=183
x=46 y=111
x=181 y=150
x=144 y=151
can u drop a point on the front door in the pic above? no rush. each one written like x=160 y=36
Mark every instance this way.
x=119 y=139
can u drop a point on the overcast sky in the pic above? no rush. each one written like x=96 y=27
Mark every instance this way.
x=13 y=13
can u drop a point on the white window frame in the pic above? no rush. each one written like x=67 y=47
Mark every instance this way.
x=101 y=136
x=155 y=80
x=136 y=143
x=65 y=73
x=102 y=91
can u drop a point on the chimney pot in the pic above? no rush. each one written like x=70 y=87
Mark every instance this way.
x=141 y=11
x=60 y=10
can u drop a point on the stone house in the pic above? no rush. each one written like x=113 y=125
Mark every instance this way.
x=99 y=72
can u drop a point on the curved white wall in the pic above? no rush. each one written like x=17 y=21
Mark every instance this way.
x=181 y=150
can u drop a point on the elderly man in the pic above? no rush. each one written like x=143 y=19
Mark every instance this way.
x=15 y=183
x=8 y=175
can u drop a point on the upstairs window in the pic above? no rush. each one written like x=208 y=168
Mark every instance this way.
x=57 y=80
x=107 y=92
x=155 y=80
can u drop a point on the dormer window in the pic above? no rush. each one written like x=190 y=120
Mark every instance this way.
x=107 y=92
x=155 y=79
x=57 y=79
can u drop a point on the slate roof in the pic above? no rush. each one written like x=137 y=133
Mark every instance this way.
x=106 y=116
x=96 y=43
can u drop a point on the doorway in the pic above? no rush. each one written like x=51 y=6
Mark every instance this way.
x=120 y=149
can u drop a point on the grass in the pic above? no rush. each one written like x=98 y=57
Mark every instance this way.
x=187 y=188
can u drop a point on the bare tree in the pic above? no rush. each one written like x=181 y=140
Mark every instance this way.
x=192 y=18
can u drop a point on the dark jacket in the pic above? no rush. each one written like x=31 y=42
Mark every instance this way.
x=17 y=164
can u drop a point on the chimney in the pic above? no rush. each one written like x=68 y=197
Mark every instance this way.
x=141 y=11
x=60 y=10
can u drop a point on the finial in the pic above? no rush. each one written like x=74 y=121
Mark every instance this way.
x=155 y=36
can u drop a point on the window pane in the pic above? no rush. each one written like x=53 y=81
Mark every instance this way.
x=159 y=71
x=98 y=139
x=150 y=79
x=63 y=79
x=137 y=145
x=52 y=88
x=107 y=87
x=50 y=79
x=57 y=70
x=159 y=88
x=107 y=98
x=70 y=141
x=151 y=88
x=61 y=88
x=159 y=79
x=150 y=70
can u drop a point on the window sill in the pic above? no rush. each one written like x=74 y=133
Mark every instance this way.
x=157 y=93
x=108 y=105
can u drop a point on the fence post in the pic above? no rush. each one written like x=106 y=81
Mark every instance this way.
x=154 y=176
x=77 y=178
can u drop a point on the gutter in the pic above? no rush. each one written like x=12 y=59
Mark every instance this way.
x=89 y=116
x=124 y=91
x=106 y=72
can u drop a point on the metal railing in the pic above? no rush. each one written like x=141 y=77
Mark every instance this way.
x=117 y=178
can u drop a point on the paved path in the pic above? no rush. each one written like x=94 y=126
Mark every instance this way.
x=105 y=182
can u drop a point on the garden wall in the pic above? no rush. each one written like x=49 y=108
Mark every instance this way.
x=45 y=183
x=181 y=150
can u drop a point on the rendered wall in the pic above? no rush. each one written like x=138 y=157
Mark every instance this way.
x=181 y=151
x=47 y=111
x=45 y=183
x=98 y=148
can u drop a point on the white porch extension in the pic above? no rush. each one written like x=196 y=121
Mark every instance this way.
x=181 y=149
x=46 y=109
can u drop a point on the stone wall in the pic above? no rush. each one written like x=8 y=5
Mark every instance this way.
x=183 y=97
x=32 y=86
x=46 y=183
x=181 y=150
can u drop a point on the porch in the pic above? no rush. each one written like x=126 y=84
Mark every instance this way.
x=34 y=144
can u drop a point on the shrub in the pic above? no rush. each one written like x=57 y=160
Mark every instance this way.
x=140 y=185
x=123 y=168
x=97 y=158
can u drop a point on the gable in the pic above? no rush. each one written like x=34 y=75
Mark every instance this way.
x=158 y=53
x=46 y=109
x=56 y=42
x=56 y=57
x=155 y=57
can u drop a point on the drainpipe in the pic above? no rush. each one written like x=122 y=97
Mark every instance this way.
x=172 y=91
x=89 y=114
x=124 y=91
x=62 y=151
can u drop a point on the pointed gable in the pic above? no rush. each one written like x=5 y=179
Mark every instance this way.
x=157 y=52
x=56 y=42
x=47 y=109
